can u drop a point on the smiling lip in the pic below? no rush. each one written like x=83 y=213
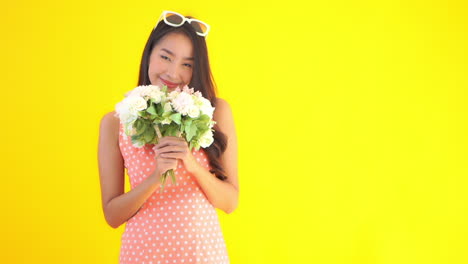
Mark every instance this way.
x=169 y=84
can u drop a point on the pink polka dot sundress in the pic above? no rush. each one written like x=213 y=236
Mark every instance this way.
x=178 y=225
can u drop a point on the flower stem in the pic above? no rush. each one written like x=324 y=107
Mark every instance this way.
x=165 y=176
x=158 y=132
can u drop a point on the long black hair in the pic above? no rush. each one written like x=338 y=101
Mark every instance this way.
x=202 y=80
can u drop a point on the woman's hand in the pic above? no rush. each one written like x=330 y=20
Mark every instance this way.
x=170 y=149
x=163 y=164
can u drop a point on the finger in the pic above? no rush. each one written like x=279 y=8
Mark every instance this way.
x=172 y=155
x=161 y=145
x=166 y=161
x=165 y=143
x=166 y=138
x=171 y=149
x=171 y=138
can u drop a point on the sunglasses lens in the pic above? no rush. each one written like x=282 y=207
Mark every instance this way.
x=174 y=18
x=199 y=27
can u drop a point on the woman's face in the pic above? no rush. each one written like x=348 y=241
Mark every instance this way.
x=171 y=61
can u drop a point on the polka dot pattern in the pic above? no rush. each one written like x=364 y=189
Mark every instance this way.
x=178 y=225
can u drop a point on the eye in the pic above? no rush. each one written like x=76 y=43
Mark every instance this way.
x=165 y=57
x=188 y=65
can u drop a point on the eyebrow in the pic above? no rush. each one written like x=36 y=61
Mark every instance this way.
x=172 y=54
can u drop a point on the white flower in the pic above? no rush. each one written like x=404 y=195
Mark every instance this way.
x=194 y=111
x=147 y=92
x=197 y=94
x=127 y=117
x=212 y=123
x=188 y=90
x=205 y=106
x=135 y=103
x=206 y=139
x=157 y=97
x=123 y=112
x=183 y=103
x=138 y=91
x=156 y=94
x=129 y=129
x=172 y=95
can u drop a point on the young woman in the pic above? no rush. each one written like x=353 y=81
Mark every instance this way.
x=179 y=225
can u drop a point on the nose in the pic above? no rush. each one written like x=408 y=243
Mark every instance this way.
x=173 y=71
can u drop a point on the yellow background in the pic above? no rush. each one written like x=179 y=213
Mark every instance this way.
x=351 y=119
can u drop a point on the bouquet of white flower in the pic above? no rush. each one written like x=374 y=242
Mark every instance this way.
x=149 y=112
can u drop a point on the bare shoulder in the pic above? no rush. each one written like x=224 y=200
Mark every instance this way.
x=224 y=117
x=110 y=160
x=109 y=125
x=221 y=102
x=110 y=117
x=225 y=122
x=223 y=108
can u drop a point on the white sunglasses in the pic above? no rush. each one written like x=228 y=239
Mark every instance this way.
x=176 y=20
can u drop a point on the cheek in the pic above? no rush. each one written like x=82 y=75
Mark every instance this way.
x=156 y=68
x=152 y=77
x=187 y=77
x=153 y=72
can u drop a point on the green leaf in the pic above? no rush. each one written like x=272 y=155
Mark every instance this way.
x=137 y=124
x=204 y=118
x=143 y=113
x=203 y=126
x=149 y=135
x=176 y=128
x=159 y=110
x=191 y=145
x=135 y=138
x=180 y=130
x=169 y=130
x=187 y=125
x=176 y=118
x=201 y=132
x=192 y=132
x=166 y=115
x=151 y=109
x=197 y=146
x=146 y=127
x=140 y=126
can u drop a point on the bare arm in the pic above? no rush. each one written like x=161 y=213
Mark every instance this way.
x=118 y=206
x=222 y=194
